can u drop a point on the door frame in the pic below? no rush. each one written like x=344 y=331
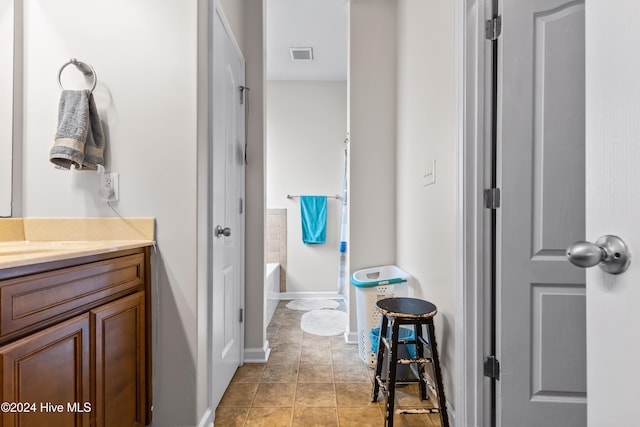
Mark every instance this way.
x=473 y=138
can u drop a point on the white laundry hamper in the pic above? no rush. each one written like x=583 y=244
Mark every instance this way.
x=373 y=284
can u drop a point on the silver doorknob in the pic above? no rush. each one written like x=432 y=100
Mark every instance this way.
x=223 y=231
x=610 y=252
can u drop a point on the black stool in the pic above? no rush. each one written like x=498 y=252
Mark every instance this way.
x=416 y=312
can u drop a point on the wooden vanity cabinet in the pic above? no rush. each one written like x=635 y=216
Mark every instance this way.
x=95 y=361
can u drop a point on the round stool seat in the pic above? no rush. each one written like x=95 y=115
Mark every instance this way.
x=407 y=308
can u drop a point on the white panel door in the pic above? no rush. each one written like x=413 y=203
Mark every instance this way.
x=227 y=216
x=613 y=207
x=541 y=317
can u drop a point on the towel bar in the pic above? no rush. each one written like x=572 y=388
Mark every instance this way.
x=291 y=196
x=86 y=69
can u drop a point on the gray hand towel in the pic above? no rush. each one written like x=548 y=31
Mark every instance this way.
x=79 y=139
x=94 y=146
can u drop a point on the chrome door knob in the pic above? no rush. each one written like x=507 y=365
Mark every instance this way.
x=223 y=231
x=609 y=252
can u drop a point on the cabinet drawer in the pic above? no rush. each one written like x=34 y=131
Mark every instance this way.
x=41 y=299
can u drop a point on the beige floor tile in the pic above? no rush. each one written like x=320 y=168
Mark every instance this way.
x=315 y=373
x=409 y=396
x=275 y=395
x=317 y=395
x=288 y=333
x=360 y=416
x=249 y=373
x=314 y=417
x=353 y=373
x=290 y=323
x=286 y=330
x=231 y=417
x=345 y=356
x=285 y=344
x=280 y=373
x=293 y=314
x=284 y=356
x=315 y=354
x=239 y=395
x=272 y=331
x=275 y=321
x=316 y=341
x=284 y=347
x=414 y=421
x=269 y=417
x=338 y=342
x=354 y=394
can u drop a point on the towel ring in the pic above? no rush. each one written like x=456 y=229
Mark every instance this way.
x=86 y=69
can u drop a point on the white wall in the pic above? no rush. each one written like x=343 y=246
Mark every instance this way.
x=372 y=116
x=6 y=104
x=145 y=56
x=306 y=127
x=426 y=131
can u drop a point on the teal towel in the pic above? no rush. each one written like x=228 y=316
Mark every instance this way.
x=313 y=212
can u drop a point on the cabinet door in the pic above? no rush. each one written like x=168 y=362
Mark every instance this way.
x=47 y=374
x=119 y=347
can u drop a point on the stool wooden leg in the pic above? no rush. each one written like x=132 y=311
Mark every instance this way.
x=420 y=353
x=379 y=359
x=391 y=382
x=442 y=402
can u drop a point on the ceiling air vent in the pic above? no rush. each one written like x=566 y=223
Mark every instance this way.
x=301 y=53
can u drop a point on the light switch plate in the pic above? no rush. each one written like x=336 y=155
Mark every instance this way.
x=429 y=176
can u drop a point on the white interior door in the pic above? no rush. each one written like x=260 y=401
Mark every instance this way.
x=613 y=207
x=541 y=318
x=227 y=211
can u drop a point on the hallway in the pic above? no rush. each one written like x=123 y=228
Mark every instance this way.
x=309 y=380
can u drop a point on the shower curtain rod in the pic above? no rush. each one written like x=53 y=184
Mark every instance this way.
x=291 y=196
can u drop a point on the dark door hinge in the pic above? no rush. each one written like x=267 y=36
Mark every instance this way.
x=492 y=198
x=243 y=94
x=492 y=367
x=493 y=28
x=241 y=315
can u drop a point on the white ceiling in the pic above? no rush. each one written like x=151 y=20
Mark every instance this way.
x=319 y=24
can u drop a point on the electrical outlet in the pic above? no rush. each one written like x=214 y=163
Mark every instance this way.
x=109 y=187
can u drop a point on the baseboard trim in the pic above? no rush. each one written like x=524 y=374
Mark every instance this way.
x=257 y=355
x=310 y=295
x=351 y=337
x=207 y=419
x=452 y=415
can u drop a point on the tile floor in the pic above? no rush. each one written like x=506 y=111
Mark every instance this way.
x=308 y=381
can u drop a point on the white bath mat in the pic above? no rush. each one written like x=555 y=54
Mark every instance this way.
x=324 y=322
x=312 y=304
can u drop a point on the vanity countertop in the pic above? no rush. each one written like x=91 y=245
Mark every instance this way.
x=25 y=241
